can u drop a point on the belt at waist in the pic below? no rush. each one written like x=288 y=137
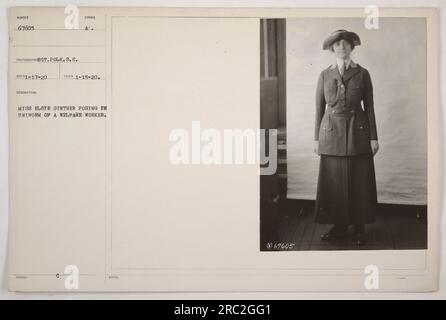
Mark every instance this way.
x=347 y=112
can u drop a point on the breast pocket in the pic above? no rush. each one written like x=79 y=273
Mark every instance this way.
x=362 y=130
x=356 y=88
x=330 y=90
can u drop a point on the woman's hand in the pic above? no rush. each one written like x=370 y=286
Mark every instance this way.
x=375 y=146
x=316 y=147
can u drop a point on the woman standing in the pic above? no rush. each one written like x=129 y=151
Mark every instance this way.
x=346 y=140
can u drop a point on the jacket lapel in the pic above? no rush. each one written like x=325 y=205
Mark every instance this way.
x=335 y=72
x=351 y=71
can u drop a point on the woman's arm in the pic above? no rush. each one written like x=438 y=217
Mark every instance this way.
x=369 y=106
x=320 y=104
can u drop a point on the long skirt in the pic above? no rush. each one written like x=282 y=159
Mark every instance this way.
x=346 y=190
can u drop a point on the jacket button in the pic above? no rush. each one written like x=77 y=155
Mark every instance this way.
x=332 y=111
x=352 y=111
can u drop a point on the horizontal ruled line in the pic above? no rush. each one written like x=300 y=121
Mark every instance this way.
x=51 y=46
x=58 y=62
x=42 y=80
x=59 y=30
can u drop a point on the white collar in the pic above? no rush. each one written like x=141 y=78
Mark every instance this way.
x=345 y=62
x=348 y=62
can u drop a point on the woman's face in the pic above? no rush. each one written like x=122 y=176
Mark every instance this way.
x=342 y=49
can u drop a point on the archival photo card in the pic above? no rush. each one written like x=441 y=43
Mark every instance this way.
x=223 y=149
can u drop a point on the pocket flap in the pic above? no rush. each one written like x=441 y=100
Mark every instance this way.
x=356 y=85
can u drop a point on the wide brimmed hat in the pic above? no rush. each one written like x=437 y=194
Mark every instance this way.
x=341 y=34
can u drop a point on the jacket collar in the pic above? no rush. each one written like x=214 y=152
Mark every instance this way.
x=352 y=65
x=350 y=72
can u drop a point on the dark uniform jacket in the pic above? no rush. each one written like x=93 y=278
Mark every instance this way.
x=345 y=116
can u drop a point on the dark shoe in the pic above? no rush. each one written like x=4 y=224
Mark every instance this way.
x=335 y=233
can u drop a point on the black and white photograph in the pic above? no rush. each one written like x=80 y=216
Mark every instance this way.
x=259 y=150
x=348 y=99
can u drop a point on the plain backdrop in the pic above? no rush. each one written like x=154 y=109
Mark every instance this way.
x=395 y=56
x=4 y=294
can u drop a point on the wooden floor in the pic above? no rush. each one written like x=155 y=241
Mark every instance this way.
x=396 y=227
